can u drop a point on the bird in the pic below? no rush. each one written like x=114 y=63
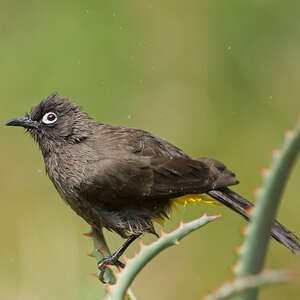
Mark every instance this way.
x=123 y=179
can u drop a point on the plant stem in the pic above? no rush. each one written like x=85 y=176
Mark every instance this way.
x=135 y=264
x=258 y=234
x=230 y=289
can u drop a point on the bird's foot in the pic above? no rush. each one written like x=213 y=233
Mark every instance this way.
x=112 y=260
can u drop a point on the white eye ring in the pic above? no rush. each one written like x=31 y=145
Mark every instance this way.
x=49 y=118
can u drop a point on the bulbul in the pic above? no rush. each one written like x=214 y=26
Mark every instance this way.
x=124 y=178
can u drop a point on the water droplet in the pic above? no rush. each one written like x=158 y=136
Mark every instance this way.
x=129 y=117
x=114 y=14
x=270 y=97
x=229 y=47
x=39 y=171
x=121 y=27
x=86 y=11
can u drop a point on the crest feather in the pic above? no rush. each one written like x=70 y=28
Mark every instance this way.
x=53 y=103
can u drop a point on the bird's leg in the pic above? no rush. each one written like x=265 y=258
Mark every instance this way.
x=114 y=258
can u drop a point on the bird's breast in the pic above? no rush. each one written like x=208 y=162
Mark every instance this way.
x=66 y=173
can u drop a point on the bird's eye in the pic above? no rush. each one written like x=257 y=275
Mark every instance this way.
x=49 y=118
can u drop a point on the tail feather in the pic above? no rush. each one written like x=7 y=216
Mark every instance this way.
x=240 y=205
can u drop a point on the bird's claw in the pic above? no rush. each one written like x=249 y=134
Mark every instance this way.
x=108 y=261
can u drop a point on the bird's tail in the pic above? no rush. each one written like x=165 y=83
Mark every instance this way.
x=242 y=206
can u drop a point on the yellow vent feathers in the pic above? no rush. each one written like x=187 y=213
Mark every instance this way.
x=190 y=199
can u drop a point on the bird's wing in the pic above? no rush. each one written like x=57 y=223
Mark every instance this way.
x=121 y=181
x=174 y=172
x=178 y=176
x=136 y=165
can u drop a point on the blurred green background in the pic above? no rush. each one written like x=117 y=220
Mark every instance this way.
x=216 y=78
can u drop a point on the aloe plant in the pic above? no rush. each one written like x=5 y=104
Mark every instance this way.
x=253 y=252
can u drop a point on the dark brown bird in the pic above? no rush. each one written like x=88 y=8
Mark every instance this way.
x=124 y=178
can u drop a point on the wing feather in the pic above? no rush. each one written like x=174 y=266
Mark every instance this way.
x=141 y=167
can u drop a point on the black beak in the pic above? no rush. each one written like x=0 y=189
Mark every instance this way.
x=23 y=122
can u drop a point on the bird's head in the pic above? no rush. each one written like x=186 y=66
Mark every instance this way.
x=55 y=121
